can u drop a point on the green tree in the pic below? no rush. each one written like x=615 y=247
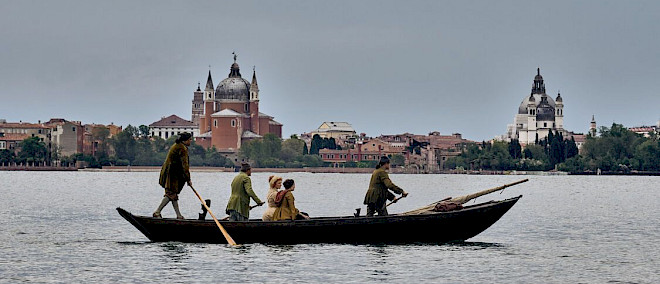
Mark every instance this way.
x=397 y=160
x=317 y=144
x=305 y=150
x=125 y=144
x=101 y=135
x=292 y=149
x=571 y=148
x=7 y=156
x=32 y=150
x=144 y=131
x=648 y=155
x=515 y=150
x=215 y=159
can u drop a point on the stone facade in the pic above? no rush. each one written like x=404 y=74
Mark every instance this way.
x=66 y=136
x=172 y=126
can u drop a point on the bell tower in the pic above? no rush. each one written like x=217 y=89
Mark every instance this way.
x=254 y=105
x=209 y=106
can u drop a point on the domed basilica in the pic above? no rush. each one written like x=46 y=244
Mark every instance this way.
x=228 y=115
x=538 y=114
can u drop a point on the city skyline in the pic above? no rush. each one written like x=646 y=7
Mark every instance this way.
x=386 y=69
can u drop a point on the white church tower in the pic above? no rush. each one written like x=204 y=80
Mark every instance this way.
x=538 y=115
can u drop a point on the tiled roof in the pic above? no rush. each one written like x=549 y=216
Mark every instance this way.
x=172 y=121
x=14 y=137
x=337 y=126
x=208 y=134
x=22 y=125
x=227 y=113
x=261 y=114
x=250 y=134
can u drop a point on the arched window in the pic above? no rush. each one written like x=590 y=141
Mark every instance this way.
x=233 y=123
x=215 y=123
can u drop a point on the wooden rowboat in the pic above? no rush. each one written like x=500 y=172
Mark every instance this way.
x=434 y=227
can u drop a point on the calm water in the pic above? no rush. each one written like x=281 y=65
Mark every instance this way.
x=63 y=227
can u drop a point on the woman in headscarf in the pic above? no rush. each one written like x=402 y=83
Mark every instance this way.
x=275 y=185
x=286 y=209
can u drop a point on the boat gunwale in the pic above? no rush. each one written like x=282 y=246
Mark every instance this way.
x=322 y=219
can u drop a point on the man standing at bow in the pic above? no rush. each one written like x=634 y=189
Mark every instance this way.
x=175 y=173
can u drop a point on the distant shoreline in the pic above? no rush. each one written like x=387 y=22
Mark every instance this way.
x=320 y=170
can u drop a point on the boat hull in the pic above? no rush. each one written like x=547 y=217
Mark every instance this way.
x=438 y=227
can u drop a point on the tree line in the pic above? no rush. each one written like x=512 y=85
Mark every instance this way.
x=273 y=152
x=616 y=149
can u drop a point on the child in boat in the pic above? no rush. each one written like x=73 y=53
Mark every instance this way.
x=275 y=185
x=286 y=209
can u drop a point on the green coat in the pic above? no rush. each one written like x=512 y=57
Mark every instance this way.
x=241 y=191
x=175 y=171
x=378 y=188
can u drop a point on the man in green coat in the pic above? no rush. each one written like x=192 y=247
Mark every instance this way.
x=175 y=173
x=378 y=193
x=238 y=207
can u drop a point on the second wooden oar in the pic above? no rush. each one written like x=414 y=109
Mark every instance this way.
x=222 y=229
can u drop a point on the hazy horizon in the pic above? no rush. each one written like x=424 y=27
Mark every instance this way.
x=386 y=67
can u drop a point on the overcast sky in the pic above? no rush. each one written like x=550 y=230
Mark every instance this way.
x=386 y=67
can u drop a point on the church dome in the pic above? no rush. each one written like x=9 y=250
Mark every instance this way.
x=522 y=109
x=234 y=88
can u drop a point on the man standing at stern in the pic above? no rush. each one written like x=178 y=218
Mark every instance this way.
x=238 y=207
x=175 y=173
x=378 y=192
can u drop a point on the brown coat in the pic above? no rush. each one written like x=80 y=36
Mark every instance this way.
x=175 y=171
x=286 y=211
x=378 y=188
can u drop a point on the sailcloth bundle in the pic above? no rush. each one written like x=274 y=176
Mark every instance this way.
x=457 y=201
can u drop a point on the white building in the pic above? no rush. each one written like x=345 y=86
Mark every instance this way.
x=172 y=126
x=332 y=129
x=538 y=114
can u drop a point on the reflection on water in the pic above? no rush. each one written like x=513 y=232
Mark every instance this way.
x=175 y=251
x=576 y=232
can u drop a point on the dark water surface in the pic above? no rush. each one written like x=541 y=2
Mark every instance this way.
x=63 y=228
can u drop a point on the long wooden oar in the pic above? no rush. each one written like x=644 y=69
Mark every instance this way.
x=222 y=229
x=395 y=200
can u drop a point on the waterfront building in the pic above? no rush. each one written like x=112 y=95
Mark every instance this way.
x=172 y=126
x=538 y=115
x=228 y=115
x=13 y=133
x=334 y=129
x=93 y=142
x=643 y=130
x=66 y=136
x=11 y=141
x=426 y=153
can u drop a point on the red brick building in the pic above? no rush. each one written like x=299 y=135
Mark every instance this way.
x=229 y=114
